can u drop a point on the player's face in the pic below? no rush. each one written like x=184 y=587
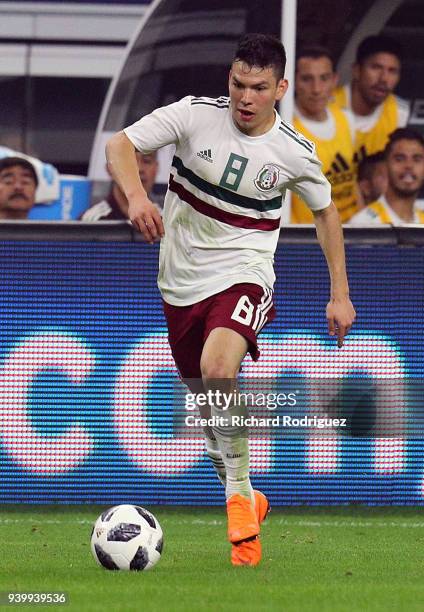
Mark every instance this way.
x=377 y=77
x=315 y=81
x=17 y=191
x=253 y=93
x=147 y=168
x=405 y=167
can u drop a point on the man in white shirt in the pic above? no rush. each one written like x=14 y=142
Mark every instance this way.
x=234 y=160
x=405 y=175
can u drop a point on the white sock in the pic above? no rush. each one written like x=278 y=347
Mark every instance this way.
x=215 y=456
x=233 y=443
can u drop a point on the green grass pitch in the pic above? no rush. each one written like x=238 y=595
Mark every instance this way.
x=315 y=559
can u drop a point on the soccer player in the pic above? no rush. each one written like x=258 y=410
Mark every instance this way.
x=330 y=128
x=235 y=158
x=405 y=175
x=376 y=110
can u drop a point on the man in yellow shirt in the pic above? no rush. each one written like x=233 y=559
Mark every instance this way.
x=405 y=172
x=330 y=128
x=376 y=110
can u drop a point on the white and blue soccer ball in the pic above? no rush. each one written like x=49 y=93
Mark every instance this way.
x=127 y=538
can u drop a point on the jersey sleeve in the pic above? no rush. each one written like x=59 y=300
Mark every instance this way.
x=166 y=125
x=312 y=186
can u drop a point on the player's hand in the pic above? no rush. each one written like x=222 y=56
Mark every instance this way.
x=145 y=217
x=340 y=316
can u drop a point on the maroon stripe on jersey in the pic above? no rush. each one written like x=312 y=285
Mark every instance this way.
x=265 y=225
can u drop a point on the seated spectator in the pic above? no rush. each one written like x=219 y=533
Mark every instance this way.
x=376 y=110
x=115 y=206
x=18 y=184
x=372 y=177
x=48 y=189
x=330 y=128
x=404 y=155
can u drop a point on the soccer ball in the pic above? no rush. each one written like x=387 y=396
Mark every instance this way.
x=127 y=538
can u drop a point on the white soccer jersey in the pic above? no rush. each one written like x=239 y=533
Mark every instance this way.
x=223 y=205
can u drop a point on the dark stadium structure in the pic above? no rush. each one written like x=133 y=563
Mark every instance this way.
x=184 y=47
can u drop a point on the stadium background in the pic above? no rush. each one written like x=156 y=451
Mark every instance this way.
x=62 y=59
x=86 y=310
x=88 y=382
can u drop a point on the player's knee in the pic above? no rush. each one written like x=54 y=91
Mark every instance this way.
x=217 y=369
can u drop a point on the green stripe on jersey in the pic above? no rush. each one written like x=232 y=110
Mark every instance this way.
x=210 y=104
x=223 y=194
x=305 y=143
x=220 y=102
x=224 y=99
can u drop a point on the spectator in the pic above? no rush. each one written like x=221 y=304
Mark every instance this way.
x=377 y=112
x=48 y=189
x=331 y=129
x=405 y=174
x=115 y=206
x=372 y=177
x=18 y=184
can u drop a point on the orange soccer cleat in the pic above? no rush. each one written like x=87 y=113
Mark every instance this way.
x=243 y=530
x=262 y=506
x=242 y=519
x=248 y=552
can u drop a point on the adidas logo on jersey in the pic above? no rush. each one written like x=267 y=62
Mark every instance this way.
x=206 y=154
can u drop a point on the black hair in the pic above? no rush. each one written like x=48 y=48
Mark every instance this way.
x=367 y=164
x=377 y=44
x=262 y=50
x=11 y=162
x=314 y=51
x=405 y=133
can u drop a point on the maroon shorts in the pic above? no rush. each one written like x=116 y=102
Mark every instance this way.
x=245 y=308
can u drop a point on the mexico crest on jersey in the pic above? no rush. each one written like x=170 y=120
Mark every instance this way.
x=267 y=177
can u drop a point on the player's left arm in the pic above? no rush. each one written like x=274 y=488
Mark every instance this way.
x=340 y=311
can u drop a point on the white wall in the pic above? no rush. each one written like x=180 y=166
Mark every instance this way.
x=29 y=25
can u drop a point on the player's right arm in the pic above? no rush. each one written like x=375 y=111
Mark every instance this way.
x=122 y=164
x=164 y=126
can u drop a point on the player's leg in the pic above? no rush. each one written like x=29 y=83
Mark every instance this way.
x=185 y=326
x=185 y=335
x=234 y=319
x=222 y=355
